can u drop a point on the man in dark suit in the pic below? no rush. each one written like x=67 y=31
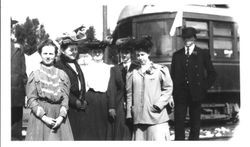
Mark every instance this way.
x=121 y=129
x=18 y=82
x=192 y=73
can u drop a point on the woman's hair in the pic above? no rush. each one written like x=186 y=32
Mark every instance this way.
x=144 y=44
x=47 y=42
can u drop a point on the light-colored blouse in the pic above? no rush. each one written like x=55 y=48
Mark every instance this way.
x=97 y=76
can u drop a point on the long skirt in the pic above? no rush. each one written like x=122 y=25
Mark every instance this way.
x=157 y=132
x=96 y=116
x=37 y=130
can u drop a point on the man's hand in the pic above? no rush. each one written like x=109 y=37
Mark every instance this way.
x=155 y=109
x=82 y=105
x=49 y=121
x=112 y=113
x=171 y=102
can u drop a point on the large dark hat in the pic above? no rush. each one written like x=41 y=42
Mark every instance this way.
x=96 y=45
x=188 y=32
x=144 y=44
x=68 y=41
x=83 y=48
x=125 y=44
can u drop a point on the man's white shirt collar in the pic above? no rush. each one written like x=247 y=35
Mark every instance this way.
x=191 y=49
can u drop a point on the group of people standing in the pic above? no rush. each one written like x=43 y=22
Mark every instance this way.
x=91 y=100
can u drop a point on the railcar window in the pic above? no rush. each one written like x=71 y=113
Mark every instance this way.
x=223 y=47
x=223 y=40
x=161 y=39
x=202 y=44
x=222 y=29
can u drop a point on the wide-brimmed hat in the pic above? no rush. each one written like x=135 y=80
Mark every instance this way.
x=188 y=32
x=126 y=44
x=96 y=45
x=68 y=41
x=144 y=44
x=83 y=48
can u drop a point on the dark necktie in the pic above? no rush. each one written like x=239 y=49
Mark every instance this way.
x=124 y=72
x=187 y=51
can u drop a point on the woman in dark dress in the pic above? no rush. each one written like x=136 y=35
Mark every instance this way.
x=96 y=117
x=77 y=104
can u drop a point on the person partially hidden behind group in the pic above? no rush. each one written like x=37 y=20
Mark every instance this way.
x=47 y=96
x=149 y=90
x=121 y=129
x=77 y=104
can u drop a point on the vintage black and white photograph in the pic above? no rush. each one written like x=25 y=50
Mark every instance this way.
x=89 y=70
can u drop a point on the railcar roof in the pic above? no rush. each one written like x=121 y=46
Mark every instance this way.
x=135 y=10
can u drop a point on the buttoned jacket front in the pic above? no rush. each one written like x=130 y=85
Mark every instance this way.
x=154 y=87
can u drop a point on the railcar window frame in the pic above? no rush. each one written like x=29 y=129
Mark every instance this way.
x=213 y=37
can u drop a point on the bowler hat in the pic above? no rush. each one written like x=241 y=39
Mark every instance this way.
x=188 y=32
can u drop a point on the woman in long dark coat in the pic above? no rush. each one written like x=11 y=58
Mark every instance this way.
x=68 y=63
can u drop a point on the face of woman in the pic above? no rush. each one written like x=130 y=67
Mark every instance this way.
x=84 y=59
x=48 y=55
x=97 y=55
x=142 y=57
x=71 y=52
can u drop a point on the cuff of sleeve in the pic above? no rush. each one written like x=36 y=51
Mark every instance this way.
x=63 y=111
x=128 y=114
x=40 y=112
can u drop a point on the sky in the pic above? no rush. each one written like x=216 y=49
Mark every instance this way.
x=59 y=16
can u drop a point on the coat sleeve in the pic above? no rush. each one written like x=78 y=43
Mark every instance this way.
x=32 y=96
x=65 y=88
x=129 y=89
x=166 y=88
x=172 y=70
x=211 y=73
x=112 y=89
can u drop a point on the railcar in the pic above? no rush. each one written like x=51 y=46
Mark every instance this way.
x=217 y=32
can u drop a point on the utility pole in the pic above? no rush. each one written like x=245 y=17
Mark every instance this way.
x=104 y=21
x=104 y=35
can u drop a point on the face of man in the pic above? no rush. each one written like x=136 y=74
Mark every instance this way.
x=125 y=56
x=48 y=55
x=189 y=41
x=142 y=57
x=71 y=52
